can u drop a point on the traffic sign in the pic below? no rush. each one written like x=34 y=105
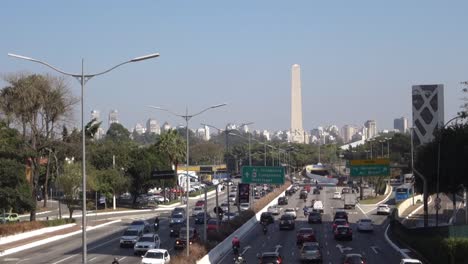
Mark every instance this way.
x=377 y=167
x=437 y=206
x=266 y=175
x=438 y=200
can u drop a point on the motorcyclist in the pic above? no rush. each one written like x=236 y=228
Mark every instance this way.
x=235 y=245
x=265 y=228
x=156 y=223
x=305 y=210
x=116 y=261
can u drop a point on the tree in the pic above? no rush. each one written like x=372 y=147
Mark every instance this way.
x=110 y=182
x=172 y=146
x=70 y=182
x=205 y=153
x=118 y=133
x=38 y=105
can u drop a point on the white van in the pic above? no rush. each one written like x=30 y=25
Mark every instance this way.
x=318 y=206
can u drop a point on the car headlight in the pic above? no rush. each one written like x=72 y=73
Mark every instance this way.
x=177 y=242
x=121 y=241
x=134 y=240
x=172 y=221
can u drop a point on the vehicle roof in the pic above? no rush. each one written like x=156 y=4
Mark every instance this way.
x=286 y=216
x=412 y=261
x=353 y=255
x=308 y=229
x=268 y=254
x=383 y=205
x=149 y=235
x=310 y=244
x=290 y=209
x=161 y=250
x=342 y=226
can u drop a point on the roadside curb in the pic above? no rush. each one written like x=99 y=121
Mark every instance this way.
x=383 y=201
x=390 y=242
x=51 y=239
x=417 y=209
x=45 y=230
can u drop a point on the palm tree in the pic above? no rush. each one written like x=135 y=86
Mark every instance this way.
x=172 y=144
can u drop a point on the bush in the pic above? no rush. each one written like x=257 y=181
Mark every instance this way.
x=21 y=227
x=58 y=222
x=197 y=251
x=456 y=248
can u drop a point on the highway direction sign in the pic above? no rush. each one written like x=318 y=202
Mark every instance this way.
x=376 y=167
x=266 y=175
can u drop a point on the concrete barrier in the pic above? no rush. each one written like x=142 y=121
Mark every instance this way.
x=223 y=248
x=407 y=203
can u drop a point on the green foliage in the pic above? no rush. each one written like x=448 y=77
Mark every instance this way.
x=206 y=153
x=58 y=222
x=110 y=182
x=118 y=133
x=70 y=182
x=172 y=146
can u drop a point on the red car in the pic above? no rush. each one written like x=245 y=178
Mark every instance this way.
x=200 y=203
x=354 y=259
x=211 y=225
x=305 y=235
x=338 y=222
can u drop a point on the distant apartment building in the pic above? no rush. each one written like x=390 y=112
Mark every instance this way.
x=165 y=127
x=113 y=117
x=266 y=134
x=152 y=126
x=96 y=115
x=401 y=124
x=371 y=127
x=347 y=133
x=139 y=129
x=203 y=133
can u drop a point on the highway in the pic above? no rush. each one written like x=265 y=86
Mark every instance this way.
x=371 y=245
x=103 y=243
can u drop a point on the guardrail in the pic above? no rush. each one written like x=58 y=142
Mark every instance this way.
x=223 y=248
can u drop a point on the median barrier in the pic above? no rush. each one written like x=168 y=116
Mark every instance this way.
x=223 y=248
x=407 y=203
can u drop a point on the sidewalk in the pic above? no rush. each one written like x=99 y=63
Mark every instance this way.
x=413 y=216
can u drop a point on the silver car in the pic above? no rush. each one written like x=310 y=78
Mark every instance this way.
x=274 y=210
x=130 y=237
x=145 y=243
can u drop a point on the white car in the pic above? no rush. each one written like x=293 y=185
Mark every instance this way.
x=274 y=209
x=410 y=261
x=196 y=210
x=156 y=256
x=224 y=207
x=336 y=195
x=383 y=209
x=232 y=197
x=290 y=211
x=145 y=243
x=318 y=206
x=244 y=206
x=365 y=224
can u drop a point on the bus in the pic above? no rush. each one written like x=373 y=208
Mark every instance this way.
x=403 y=192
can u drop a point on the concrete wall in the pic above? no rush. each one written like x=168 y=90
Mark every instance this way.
x=407 y=203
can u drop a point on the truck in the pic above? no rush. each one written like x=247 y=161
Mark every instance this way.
x=349 y=200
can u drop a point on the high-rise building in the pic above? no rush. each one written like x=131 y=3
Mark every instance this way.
x=297 y=131
x=371 y=127
x=401 y=124
x=347 y=133
x=152 y=126
x=139 y=128
x=203 y=133
x=428 y=111
x=113 y=117
x=95 y=114
x=166 y=127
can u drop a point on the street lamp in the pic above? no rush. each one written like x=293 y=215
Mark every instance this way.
x=187 y=118
x=371 y=140
x=83 y=79
x=461 y=115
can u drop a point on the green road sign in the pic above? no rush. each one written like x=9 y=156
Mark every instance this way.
x=267 y=175
x=362 y=168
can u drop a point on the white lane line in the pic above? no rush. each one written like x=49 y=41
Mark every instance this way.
x=92 y=259
x=326 y=243
x=359 y=207
x=122 y=258
x=62 y=260
x=328 y=252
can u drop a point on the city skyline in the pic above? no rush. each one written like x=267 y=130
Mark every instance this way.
x=343 y=83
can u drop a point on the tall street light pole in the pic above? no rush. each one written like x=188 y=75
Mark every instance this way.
x=83 y=79
x=187 y=118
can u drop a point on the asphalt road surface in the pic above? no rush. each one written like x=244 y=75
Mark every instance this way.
x=372 y=246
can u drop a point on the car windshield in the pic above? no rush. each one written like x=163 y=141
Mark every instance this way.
x=146 y=239
x=269 y=259
x=305 y=231
x=155 y=255
x=289 y=210
x=130 y=233
x=183 y=233
x=211 y=222
x=137 y=223
x=310 y=248
x=342 y=228
x=340 y=221
x=286 y=217
x=177 y=216
x=366 y=221
x=354 y=260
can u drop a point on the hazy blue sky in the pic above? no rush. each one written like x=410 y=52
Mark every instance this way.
x=358 y=58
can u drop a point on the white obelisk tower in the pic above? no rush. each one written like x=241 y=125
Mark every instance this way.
x=297 y=132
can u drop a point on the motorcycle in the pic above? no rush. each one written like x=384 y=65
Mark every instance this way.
x=235 y=250
x=156 y=227
x=239 y=260
x=265 y=229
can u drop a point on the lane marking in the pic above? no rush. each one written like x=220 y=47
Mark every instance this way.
x=62 y=260
x=92 y=259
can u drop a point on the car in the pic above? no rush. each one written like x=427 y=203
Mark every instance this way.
x=143 y=224
x=289 y=192
x=318 y=206
x=291 y=211
x=145 y=243
x=200 y=203
x=270 y=258
x=229 y=216
x=340 y=214
x=232 y=197
x=383 y=209
x=311 y=253
x=181 y=241
x=343 y=232
x=314 y=217
x=211 y=225
x=282 y=201
x=345 y=190
x=156 y=256
x=338 y=222
x=178 y=210
x=9 y=218
x=244 y=206
x=365 y=224
x=267 y=217
x=336 y=195
x=287 y=222
x=176 y=218
x=274 y=210
x=197 y=209
x=175 y=229
x=200 y=218
x=303 y=194
x=316 y=191
x=224 y=207
x=410 y=261
x=130 y=237
x=354 y=259
x=305 y=234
